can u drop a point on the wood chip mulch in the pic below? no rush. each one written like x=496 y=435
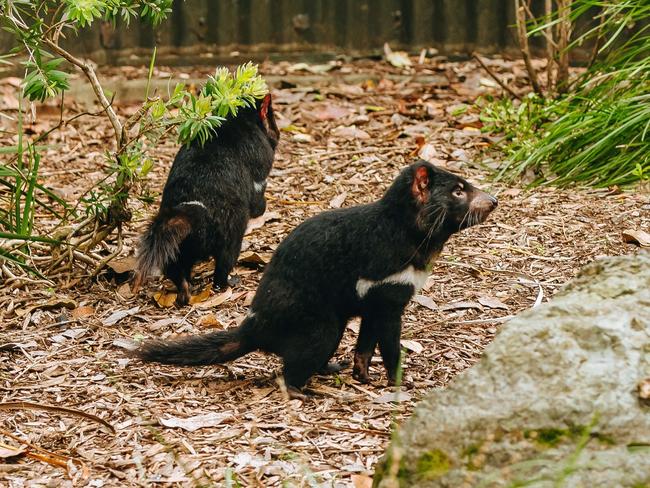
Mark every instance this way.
x=230 y=425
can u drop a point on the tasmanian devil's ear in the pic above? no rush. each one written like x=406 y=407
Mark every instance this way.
x=420 y=184
x=268 y=120
x=264 y=108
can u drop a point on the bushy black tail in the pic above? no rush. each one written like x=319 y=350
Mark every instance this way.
x=160 y=243
x=213 y=348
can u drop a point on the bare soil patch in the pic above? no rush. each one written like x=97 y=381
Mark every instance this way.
x=63 y=343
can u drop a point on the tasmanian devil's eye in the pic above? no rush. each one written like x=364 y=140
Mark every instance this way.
x=458 y=192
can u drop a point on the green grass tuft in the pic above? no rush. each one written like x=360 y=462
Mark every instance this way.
x=599 y=133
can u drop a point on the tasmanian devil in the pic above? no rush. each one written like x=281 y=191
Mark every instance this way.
x=210 y=194
x=365 y=261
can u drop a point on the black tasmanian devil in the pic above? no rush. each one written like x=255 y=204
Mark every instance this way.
x=210 y=194
x=365 y=261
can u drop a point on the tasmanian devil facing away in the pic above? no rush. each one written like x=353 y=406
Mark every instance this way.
x=210 y=194
x=363 y=261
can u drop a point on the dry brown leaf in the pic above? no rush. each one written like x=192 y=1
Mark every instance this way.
x=428 y=152
x=210 y=321
x=361 y=481
x=492 y=302
x=510 y=192
x=260 y=221
x=429 y=283
x=197 y=422
x=399 y=59
x=81 y=312
x=254 y=258
x=124 y=265
x=425 y=301
x=52 y=303
x=393 y=396
x=216 y=300
x=125 y=291
x=330 y=112
x=411 y=345
x=338 y=200
x=350 y=132
x=9 y=451
x=118 y=315
x=461 y=305
x=638 y=237
x=201 y=297
x=165 y=299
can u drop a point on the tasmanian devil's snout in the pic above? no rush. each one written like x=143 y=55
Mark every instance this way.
x=473 y=205
x=480 y=205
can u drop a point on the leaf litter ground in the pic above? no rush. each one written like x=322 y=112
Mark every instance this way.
x=342 y=145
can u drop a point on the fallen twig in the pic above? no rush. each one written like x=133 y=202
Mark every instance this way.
x=59 y=460
x=54 y=408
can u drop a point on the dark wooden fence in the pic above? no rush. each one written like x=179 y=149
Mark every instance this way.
x=204 y=29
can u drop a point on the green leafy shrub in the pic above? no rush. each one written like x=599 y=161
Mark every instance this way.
x=598 y=133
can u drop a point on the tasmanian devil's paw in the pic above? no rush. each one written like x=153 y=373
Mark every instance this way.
x=295 y=394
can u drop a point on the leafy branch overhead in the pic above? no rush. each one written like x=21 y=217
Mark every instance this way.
x=221 y=97
x=39 y=25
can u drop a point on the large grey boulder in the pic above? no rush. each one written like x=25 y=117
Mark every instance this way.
x=560 y=398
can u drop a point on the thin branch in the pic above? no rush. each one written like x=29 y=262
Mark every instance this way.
x=495 y=77
x=551 y=46
x=522 y=34
x=94 y=82
x=547 y=36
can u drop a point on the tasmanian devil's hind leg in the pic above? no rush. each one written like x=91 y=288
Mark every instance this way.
x=180 y=272
x=226 y=254
x=305 y=356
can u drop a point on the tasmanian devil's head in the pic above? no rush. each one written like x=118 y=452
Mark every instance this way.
x=446 y=202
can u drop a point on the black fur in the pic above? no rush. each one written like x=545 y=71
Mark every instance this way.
x=310 y=289
x=221 y=176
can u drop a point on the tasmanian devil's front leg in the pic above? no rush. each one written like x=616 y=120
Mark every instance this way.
x=389 y=346
x=366 y=343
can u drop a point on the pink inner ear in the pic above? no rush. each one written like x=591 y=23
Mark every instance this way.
x=422 y=177
x=420 y=183
x=264 y=109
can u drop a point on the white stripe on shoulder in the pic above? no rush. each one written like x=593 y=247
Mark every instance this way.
x=194 y=202
x=408 y=276
x=259 y=185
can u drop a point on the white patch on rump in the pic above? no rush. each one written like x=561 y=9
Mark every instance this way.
x=408 y=276
x=259 y=185
x=194 y=202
